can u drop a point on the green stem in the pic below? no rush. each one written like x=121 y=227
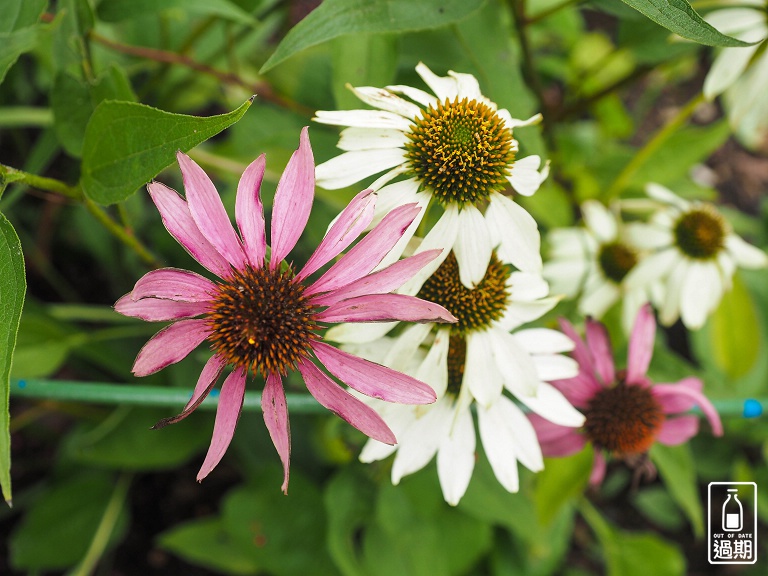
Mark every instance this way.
x=25 y=117
x=41 y=182
x=119 y=232
x=652 y=146
x=133 y=395
x=105 y=528
x=539 y=16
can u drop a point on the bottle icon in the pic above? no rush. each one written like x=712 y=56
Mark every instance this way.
x=733 y=513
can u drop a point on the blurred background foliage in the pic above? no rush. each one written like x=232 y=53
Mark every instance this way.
x=97 y=493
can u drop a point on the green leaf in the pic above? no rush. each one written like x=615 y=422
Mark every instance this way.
x=18 y=14
x=734 y=331
x=561 y=481
x=657 y=505
x=127 y=144
x=13 y=286
x=124 y=441
x=14 y=44
x=678 y=17
x=362 y=60
x=333 y=18
x=677 y=470
x=43 y=344
x=56 y=531
x=73 y=101
x=117 y=10
x=207 y=543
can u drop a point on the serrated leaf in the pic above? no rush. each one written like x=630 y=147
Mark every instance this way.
x=207 y=543
x=117 y=10
x=333 y=18
x=677 y=470
x=13 y=286
x=677 y=16
x=734 y=331
x=127 y=144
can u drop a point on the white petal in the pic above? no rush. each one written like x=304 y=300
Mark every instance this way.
x=517 y=232
x=442 y=235
x=599 y=220
x=670 y=308
x=444 y=88
x=598 y=299
x=570 y=243
x=525 y=177
x=565 y=276
x=386 y=100
x=456 y=458
x=550 y=403
x=480 y=371
x=652 y=268
x=515 y=123
x=472 y=247
x=358 y=332
x=701 y=289
x=554 y=367
x=468 y=86
x=526 y=287
x=727 y=67
x=746 y=255
x=518 y=313
x=434 y=369
x=351 y=167
x=370 y=139
x=663 y=194
x=420 y=441
x=415 y=94
x=405 y=346
x=393 y=195
x=544 y=341
x=514 y=363
x=648 y=236
x=422 y=199
x=363 y=119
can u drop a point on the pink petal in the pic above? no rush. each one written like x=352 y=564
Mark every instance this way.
x=580 y=389
x=367 y=253
x=580 y=352
x=598 y=469
x=348 y=226
x=205 y=383
x=276 y=418
x=178 y=221
x=372 y=379
x=227 y=414
x=158 y=310
x=600 y=347
x=385 y=308
x=293 y=201
x=249 y=212
x=678 y=430
x=345 y=405
x=672 y=400
x=641 y=344
x=670 y=397
x=381 y=282
x=556 y=440
x=174 y=284
x=170 y=345
x=208 y=212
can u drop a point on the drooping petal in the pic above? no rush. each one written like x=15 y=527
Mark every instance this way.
x=669 y=397
x=363 y=119
x=172 y=344
x=746 y=255
x=205 y=383
x=525 y=177
x=383 y=99
x=275 y=411
x=174 y=284
x=293 y=201
x=652 y=268
x=700 y=292
x=641 y=345
x=527 y=286
x=444 y=88
x=227 y=414
x=367 y=253
x=472 y=247
x=434 y=368
x=372 y=379
x=518 y=313
x=346 y=228
x=177 y=219
x=249 y=212
x=517 y=232
x=598 y=469
x=599 y=295
x=401 y=352
x=673 y=402
x=480 y=371
x=422 y=201
x=208 y=212
x=343 y=404
x=726 y=69
x=420 y=441
x=551 y=404
x=544 y=341
x=381 y=282
x=456 y=458
x=158 y=310
x=415 y=94
x=669 y=311
x=678 y=430
x=554 y=366
x=602 y=354
x=385 y=308
x=514 y=363
x=351 y=167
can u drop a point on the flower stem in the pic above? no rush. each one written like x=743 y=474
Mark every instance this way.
x=105 y=528
x=652 y=146
x=40 y=182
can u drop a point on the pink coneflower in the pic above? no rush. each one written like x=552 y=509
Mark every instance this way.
x=261 y=316
x=625 y=412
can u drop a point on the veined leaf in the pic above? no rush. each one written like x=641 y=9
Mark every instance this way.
x=117 y=10
x=126 y=144
x=333 y=18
